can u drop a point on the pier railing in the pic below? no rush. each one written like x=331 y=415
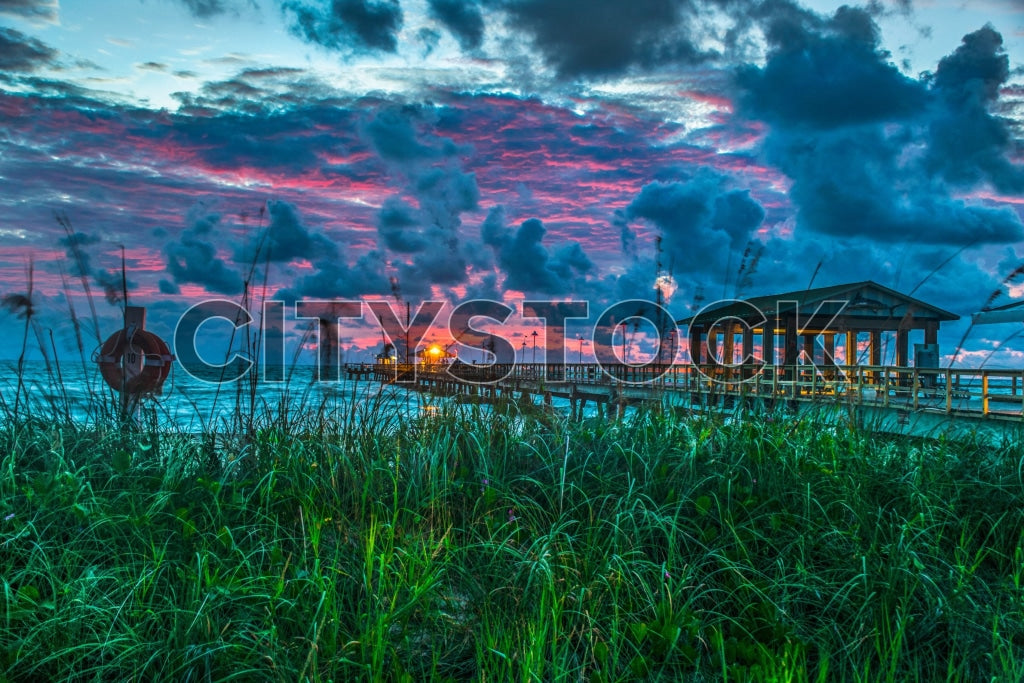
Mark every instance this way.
x=949 y=390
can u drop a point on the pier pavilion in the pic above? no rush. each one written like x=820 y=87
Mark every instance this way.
x=782 y=329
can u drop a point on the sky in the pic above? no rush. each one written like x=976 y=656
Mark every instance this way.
x=413 y=150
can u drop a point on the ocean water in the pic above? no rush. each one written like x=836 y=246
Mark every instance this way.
x=191 y=404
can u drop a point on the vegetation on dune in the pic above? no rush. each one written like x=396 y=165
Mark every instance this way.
x=484 y=545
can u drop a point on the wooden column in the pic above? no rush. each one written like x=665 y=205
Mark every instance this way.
x=748 y=349
x=789 y=344
x=696 y=345
x=729 y=345
x=931 y=332
x=711 y=346
x=768 y=343
x=828 y=358
x=875 y=351
x=851 y=347
x=809 y=348
x=902 y=348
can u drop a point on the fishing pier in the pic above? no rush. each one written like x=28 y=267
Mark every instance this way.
x=804 y=351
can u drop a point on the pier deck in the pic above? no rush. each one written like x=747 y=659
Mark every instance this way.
x=898 y=399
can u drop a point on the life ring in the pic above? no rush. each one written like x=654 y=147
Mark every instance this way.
x=135 y=364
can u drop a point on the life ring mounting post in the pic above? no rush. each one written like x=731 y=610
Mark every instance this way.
x=133 y=361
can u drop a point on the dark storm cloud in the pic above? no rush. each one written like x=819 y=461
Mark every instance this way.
x=930 y=273
x=604 y=37
x=193 y=259
x=443 y=264
x=168 y=287
x=433 y=231
x=423 y=224
x=445 y=193
x=291 y=141
x=397 y=226
x=348 y=25
x=42 y=10
x=392 y=131
x=829 y=81
x=462 y=18
x=853 y=183
x=494 y=230
x=529 y=266
x=286 y=239
x=22 y=53
x=703 y=221
x=968 y=143
x=334 y=278
x=736 y=215
x=577 y=38
x=852 y=134
x=783 y=22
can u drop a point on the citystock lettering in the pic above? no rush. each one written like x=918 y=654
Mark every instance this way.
x=483 y=327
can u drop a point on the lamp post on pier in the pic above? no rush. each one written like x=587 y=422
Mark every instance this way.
x=534 y=347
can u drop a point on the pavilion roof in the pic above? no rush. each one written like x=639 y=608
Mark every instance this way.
x=854 y=300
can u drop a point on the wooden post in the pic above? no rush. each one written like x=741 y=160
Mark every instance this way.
x=902 y=348
x=768 y=342
x=830 y=349
x=728 y=350
x=809 y=348
x=747 y=349
x=789 y=345
x=696 y=347
x=711 y=347
x=875 y=349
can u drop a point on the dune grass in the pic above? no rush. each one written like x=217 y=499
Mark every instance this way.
x=481 y=544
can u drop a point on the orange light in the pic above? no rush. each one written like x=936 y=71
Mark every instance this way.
x=435 y=350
